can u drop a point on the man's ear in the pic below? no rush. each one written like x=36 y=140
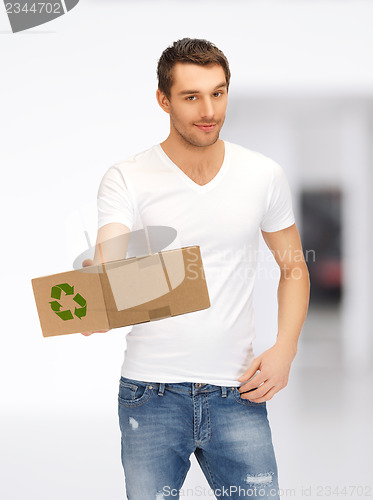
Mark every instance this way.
x=163 y=101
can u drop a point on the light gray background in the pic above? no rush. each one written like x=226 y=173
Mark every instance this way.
x=77 y=95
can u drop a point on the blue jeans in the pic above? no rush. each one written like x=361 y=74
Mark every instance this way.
x=162 y=424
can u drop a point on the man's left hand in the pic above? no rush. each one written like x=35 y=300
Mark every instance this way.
x=274 y=366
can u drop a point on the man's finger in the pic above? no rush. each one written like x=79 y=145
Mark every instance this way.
x=253 y=383
x=257 y=392
x=96 y=331
x=250 y=372
x=266 y=397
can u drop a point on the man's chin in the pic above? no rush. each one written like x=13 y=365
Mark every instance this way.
x=208 y=141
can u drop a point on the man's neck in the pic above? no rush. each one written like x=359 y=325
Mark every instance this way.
x=193 y=158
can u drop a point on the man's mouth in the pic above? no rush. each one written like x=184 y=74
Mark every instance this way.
x=206 y=127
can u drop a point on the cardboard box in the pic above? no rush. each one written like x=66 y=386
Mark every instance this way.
x=122 y=292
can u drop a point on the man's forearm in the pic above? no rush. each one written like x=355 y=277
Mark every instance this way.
x=293 y=298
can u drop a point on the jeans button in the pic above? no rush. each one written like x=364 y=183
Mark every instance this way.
x=198 y=385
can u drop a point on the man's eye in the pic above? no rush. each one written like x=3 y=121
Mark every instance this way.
x=191 y=97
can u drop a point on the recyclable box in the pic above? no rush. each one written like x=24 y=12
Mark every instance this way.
x=122 y=292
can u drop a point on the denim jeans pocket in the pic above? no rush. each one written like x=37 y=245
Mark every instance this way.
x=239 y=399
x=133 y=393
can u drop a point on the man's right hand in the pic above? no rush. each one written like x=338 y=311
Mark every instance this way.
x=86 y=263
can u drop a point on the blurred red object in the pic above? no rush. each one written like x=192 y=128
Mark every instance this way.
x=328 y=273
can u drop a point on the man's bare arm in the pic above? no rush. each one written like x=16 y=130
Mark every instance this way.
x=111 y=244
x=293 y=298
x=294 y=285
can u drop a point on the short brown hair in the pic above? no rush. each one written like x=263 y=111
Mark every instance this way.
x=188 y=50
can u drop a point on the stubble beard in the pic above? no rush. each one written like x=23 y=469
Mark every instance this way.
x=190 y=140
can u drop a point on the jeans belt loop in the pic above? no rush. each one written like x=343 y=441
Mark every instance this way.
x=161 y=389
x=223 y=391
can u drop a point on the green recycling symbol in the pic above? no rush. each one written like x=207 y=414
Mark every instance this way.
x=56 y=306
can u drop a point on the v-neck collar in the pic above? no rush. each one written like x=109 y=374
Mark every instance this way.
x=197 y=187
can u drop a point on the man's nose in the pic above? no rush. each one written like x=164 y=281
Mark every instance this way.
x=207 y=108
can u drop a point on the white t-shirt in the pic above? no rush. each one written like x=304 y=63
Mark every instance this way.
x=224 y=217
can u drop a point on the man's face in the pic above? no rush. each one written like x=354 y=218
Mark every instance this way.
x=198 y=97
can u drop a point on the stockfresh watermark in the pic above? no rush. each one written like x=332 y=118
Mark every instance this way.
x=26 y=14
x=303 y=491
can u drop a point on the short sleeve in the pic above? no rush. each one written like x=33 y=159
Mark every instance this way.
x=279 y=214
x=114 y=202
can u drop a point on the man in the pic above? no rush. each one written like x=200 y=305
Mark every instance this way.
x=188 y=383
